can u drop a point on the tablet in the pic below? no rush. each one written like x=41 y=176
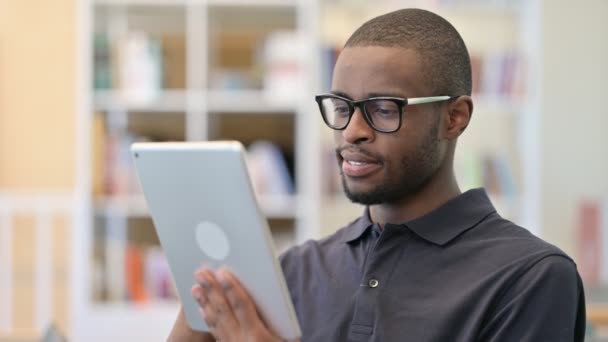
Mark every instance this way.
x=205 y=213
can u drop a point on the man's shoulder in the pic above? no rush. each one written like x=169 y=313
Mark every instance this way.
x=501 y=237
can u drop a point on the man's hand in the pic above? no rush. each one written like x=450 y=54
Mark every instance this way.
x=227 y=308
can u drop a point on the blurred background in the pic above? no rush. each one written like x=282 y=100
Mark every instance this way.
x=80 y=80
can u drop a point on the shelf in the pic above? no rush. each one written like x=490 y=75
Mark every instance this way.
x=274 y=207
x=477 y=7
x=240 y=3
x=220 y=101
x=497 y=104
x=141 y=322
x=152 y=307
x=507 y=207
x=141 y=2
x=167 y=101
x=257 y=3
x=597 y=313
x=122 y=205
x=247 y=101
x=278 y=207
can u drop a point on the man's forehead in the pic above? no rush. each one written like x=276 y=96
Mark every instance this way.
x=361 y=70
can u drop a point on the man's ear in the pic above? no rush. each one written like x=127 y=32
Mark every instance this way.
x=458 y=117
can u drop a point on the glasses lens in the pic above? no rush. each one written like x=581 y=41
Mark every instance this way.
x=335 y=111
x=384 y=114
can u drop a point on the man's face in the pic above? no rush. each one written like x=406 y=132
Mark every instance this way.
x=386 y=167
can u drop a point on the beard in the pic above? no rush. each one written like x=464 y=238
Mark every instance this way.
x=412 y=173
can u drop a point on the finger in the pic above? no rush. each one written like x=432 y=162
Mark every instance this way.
x=203 y=302
x=217 y=306
x=206 y=310
x=211 y=322
x=199 y=295
x=242 y=304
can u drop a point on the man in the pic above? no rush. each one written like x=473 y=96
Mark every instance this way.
x=425 y=262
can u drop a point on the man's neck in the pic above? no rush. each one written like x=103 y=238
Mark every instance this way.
x=437 y=192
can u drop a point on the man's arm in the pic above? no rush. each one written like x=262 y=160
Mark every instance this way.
x=182 y=332
x=545 y=304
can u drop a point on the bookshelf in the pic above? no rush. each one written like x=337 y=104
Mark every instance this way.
x=208 y=77
x=186 y=71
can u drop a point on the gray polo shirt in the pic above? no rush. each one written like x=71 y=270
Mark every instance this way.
x=459 y=273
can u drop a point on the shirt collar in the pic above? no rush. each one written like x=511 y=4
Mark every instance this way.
x=358 y=227
x=441 y=225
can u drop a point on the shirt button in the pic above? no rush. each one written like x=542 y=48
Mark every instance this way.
x=373 y=283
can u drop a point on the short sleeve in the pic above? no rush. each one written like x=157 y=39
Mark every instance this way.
x=546 y=303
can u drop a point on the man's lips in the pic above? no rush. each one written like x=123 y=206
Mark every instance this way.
x=357 y=164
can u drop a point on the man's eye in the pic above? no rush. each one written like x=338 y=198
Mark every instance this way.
x=383 y=109
x=341 y=110
x=386 y=111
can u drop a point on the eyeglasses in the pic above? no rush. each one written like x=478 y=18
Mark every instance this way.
x=384 y=114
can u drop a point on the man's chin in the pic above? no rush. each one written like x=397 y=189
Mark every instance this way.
x=364 y=197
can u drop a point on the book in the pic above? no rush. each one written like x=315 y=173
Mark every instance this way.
x=329 y=56
x=134 y=275
x=498 y=74
x=476 y=72
x=591 y=238
x=283 y=51
x=98 y=154
x=157 y=277
x=102 y=72
x=268 y=170
x=138 y=58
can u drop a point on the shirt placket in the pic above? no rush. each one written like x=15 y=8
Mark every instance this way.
x=380 y=263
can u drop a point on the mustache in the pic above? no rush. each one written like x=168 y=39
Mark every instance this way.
x=359 y=150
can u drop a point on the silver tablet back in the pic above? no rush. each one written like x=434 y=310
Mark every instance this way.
x=205 y=213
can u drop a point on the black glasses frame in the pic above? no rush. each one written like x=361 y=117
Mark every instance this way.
x=400 y=101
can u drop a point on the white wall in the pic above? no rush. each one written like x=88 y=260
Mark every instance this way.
x=574 y=114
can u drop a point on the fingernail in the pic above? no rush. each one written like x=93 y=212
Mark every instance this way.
x=220 y=273
x=224 y=273
x=196 y=293
x=201 y=280
x=222 y=276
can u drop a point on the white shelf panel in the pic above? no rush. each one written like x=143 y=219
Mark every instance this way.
x=240 y=3
x=128 y=322
x=152 y=307
x=167 y=101
x=274 y=207
x=253 y=3
x=279 y=206
x=123 y=205
x=141 y=2
x=227 y=101
x=497 y=104
x=247 y=101
x=507 y=207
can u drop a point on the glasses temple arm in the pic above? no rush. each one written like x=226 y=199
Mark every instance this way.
x=419 y=100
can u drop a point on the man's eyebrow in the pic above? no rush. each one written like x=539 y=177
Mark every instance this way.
x=340 y=93
x=387 y=94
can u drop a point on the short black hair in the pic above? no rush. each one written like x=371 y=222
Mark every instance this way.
x=441 y=47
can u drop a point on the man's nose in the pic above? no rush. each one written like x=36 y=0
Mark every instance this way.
x=358 y=130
